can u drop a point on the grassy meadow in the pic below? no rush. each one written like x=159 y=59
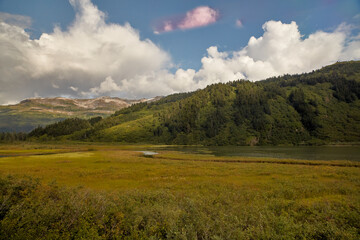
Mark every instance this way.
x=98 y=191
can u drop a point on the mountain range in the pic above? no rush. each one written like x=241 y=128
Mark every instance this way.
x=33 y=112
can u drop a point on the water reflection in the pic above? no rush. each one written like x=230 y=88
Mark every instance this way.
x=351 y=153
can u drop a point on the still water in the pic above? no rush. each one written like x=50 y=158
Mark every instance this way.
x=351 y=153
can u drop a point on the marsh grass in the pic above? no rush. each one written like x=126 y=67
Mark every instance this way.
x=114 y=192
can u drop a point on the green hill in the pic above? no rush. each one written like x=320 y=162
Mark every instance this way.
x=313 y=108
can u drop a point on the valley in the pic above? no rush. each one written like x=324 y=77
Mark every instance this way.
x=272 y=159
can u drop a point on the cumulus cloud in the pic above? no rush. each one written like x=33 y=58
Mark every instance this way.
x=83 y=55
x=198 y=17
x=93 y=58
x=280 y=50
x=107 y=86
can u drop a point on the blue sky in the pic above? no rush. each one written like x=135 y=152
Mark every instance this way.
x=104 y=56
x=188 y=47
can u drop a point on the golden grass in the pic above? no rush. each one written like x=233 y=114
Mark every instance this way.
x=230 y=197
x=120 y=167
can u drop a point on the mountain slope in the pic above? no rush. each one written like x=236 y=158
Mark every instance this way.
x=31 y=113
x=313 y=108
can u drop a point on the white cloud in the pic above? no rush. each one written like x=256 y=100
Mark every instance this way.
x=107 y=86
x=17 y=20
x=82 y=55
x=101 y=58
x=352 y=49
x=280 y=50
x=75 y=89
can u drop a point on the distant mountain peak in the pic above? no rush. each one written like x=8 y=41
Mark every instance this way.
x=31 y=112
x=91 y=103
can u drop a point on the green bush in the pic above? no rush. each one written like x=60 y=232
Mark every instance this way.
x=33 y=211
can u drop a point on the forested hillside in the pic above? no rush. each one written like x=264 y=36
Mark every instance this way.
x=313 y=108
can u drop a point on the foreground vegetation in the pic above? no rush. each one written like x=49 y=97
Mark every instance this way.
x=304 y=109
x=114 y=192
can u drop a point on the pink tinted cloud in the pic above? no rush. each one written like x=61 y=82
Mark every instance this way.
x=198 y=17
x=239 y=23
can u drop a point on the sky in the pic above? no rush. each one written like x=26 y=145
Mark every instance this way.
x=135 y=49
